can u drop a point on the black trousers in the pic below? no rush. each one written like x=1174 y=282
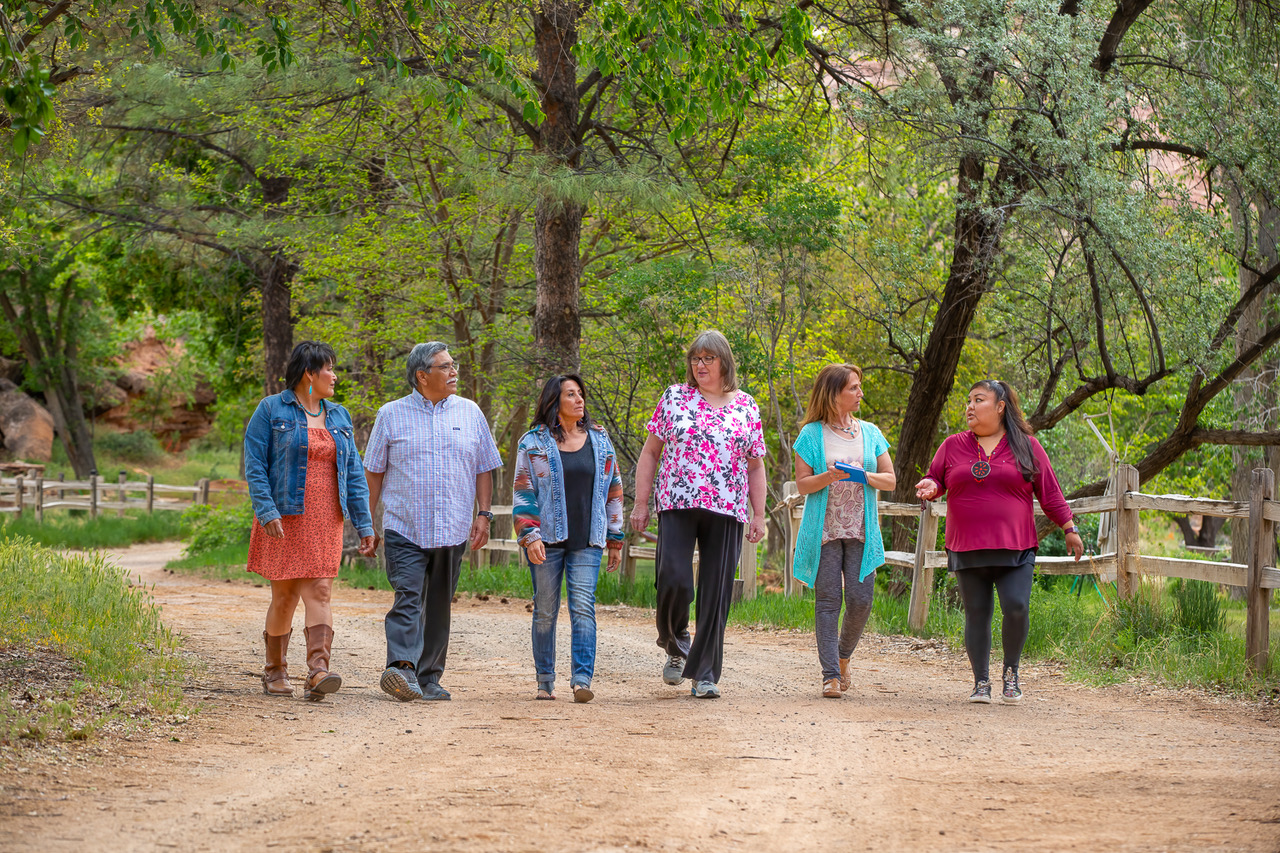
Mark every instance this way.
x=417 y=625
x=719 y=541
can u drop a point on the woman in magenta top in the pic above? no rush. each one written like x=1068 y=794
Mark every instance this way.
x=991 y=472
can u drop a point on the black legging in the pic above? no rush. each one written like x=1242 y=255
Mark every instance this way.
x=1013 y=585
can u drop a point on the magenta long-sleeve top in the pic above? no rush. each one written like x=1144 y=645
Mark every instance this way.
x=996 y=511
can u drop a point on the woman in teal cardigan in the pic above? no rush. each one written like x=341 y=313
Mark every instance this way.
x=840 y=463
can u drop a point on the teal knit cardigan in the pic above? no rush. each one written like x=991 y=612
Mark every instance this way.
x=810 y=448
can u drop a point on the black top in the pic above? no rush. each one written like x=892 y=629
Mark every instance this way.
x=579 y=483
x=989 y=558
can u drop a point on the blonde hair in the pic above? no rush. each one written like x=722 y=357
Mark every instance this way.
x=830 y=383
x=712 y=342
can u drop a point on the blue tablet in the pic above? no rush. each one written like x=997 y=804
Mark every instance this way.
x=855 y=474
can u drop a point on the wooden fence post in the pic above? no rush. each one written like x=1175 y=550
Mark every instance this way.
x=93 y=495
x=18 y=495
x=62 y=493
x=39 y=500
x=628 y=561
x=151 y=494
x=204 y=490
x=792 y=526
x=1257 y=639
x=1128 y=533
x=922 y=573
x=120 y=492
x=748 y=567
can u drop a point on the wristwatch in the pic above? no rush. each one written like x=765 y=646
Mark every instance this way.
x=1069 y=530
x=486 y=514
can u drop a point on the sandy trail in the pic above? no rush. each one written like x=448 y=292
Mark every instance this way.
x=901 y=763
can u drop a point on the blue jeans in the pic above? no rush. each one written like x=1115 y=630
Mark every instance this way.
x=579 y=571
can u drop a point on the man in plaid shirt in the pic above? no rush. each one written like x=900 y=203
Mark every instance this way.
x=428 y=460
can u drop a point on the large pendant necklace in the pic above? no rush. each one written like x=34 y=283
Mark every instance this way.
x=982 y=468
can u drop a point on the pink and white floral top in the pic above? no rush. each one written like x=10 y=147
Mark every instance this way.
x=706 y=450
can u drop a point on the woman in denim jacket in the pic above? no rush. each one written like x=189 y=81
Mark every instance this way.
x=305 y=477
x=567 y=509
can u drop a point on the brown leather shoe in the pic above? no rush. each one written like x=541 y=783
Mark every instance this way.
x=275 y=675
x=320 y=681
x=846 y=680
x=831 y=688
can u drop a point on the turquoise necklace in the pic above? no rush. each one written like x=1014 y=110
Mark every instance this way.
x=314 y=414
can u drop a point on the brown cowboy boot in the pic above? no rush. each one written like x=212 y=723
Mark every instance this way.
x=275 y=675
x=320 y=681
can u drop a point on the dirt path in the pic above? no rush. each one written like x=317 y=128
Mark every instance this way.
x=900 y=764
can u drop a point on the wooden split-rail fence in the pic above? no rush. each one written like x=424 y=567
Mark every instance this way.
x=20 y=495
x=1120 y=560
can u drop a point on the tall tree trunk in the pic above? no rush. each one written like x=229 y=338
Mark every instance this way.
x=977 y=240
x=275 y=277
x=1255 y=390
x=51 y=358
x=557 y=221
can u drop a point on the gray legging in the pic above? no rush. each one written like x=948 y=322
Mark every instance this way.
x=839 y=564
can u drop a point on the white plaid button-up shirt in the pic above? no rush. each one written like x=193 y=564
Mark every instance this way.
x=431 y=455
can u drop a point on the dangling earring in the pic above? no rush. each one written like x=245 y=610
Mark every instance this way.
x=308 y=390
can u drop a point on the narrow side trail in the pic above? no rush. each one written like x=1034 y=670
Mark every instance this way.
x=900 y=763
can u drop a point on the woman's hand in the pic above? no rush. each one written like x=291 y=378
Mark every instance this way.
x=536 y=552
x=835 y=473
x=755 y=532
x=274 y=528
x=1075 y=545
x=640 y=517
x=615 y=559
x=926 y=489
x=369 y=545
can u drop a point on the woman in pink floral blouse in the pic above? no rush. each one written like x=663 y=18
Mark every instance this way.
x=706 y=445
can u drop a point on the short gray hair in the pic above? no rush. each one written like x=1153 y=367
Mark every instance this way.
x=420 y=358
x=712 y=342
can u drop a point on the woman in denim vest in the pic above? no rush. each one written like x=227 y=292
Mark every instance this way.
x=567 y=509
x=305 y=477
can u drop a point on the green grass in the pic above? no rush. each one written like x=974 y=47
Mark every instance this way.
x=79 y=532
x=183 y=469
x=81 y=609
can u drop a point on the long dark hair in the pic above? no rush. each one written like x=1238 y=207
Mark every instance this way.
x=1016 y=428
x=548 y=412
x=308 y=356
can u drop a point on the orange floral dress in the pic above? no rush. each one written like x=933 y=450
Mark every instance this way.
x=312 y=543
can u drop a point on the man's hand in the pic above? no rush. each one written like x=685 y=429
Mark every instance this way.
x=615 y=559
x=536 y=552
x=479 y=532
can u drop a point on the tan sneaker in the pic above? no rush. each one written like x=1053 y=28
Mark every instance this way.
x=846 y=680
x=831 y=688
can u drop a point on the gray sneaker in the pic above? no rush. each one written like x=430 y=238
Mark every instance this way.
x=673 y=670
x=433 y=692
x=400 y=683
x=705 y=690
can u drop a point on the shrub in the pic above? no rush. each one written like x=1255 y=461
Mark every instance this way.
x=218 y=527
x=137 y=446
x=1197 y=608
